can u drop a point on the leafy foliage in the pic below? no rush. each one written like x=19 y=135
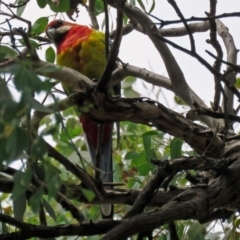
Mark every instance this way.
x=39 y=179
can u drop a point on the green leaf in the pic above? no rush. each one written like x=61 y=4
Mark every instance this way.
x=50 y=130
x=39 y=107
x=147 y=143
x=35 y=200
x=22 y=8
x=128 y=82
x=176 y=148
x=5 y=93
x=49 y=209
x=26 y=79
x=144 y=169
x=127 y=87
x=40 y=172
x=54 y=185
x=125 y=19
x=59 y=6
x=14 y=110
x=42 y=3
x=151 y=133
x=195 y=231
x=141 y=5
x=99 y=7
x=15 y=142
x=52 y=179
x=88 y=194
x=147 y=146
x=152 y=7
x=237 y=83
x=50 y=55
x=40 y=25
x=130 y=93
x=63 y=6
x=7 y=52
x=38 y=148
x=21 y=182
x=19 y=206
x=216 y=235
x=179 y=101
x=131 y=155
x=139 y=159
x=73 y=127
x=33 y=43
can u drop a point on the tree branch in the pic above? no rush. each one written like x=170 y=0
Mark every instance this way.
x=148 y=112
x=179 y=84
x=231 y=58
x=148 y=191
x=111 y=196
x=111 y=63
x=217 y=64
x=31 y=230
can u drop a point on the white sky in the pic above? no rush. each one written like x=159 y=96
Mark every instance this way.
x=136 y=49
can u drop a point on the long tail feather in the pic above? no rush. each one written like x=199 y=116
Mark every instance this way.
x=106 y=175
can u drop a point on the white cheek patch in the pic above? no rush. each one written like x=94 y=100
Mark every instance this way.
x=63 y=29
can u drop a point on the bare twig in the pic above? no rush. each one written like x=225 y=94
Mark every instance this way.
x=231 y=58
x=17 y=17
x=66 y=203
x=214 y=42
x=14 y=222
x=179 y=84
x=194 y=19
x=42 y=215
x=107 y=39
x=77 y=171
x=128 y=28
x=92 y=14
x=179 y=13
x=173 y=231
x=208 y=112
x=19 y=4
x=111 y=63
x=149 y=190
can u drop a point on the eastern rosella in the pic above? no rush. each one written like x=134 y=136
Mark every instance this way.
x=83 y=49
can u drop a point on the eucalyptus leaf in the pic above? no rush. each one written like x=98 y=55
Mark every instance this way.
x=19 y=206
x=39 y=25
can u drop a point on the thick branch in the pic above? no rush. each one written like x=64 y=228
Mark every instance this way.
x=128 y=70
x=44 y=232
x=181 y=31
x=191 y=204
x=148 y=191
x=179 y=84
x=111 y=196
x=148 y=112
x=231 y=58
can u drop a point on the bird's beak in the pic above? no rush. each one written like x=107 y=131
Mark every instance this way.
x=51 y=33
x=56 y=34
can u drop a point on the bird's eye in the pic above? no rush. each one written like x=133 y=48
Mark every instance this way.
x=59 y=23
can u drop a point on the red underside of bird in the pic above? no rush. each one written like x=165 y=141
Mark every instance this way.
x=83 y=49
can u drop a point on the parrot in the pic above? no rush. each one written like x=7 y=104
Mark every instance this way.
x=83 y=49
